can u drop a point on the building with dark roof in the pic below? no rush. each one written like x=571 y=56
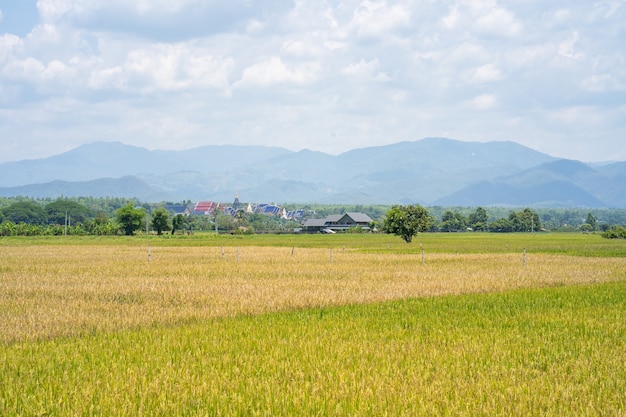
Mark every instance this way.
x=338 y=223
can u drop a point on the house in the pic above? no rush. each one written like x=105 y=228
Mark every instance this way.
x=205 y=207
x=268 y=209
x=338 y=223
x=294 y=215
x=175 y=209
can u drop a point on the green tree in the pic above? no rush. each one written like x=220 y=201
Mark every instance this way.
x=130 y=218
x=177 y=222
x=500 y=225
x=25 y=212
x=101 y=225
x=615 y=232
x=241 y=217
x=58 y=209
x=225 y=222
x=591 y=221
x=478 y=219
x=525 y=221
x=586 y=228
x=160 y=220
x=452 y=222
x=407 y=221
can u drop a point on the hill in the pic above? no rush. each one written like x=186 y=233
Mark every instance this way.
x=431 y=171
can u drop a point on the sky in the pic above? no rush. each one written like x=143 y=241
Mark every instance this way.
x=326 y=75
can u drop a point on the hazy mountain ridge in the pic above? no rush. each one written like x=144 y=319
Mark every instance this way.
x=114 y=160
x=431 y=171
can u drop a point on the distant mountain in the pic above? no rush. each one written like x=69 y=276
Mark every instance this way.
x=545 y=194
x=114 y=160
x=127 y=186
x=610 y=184
x=408 y=172
x=431 y=171
x=560 y=183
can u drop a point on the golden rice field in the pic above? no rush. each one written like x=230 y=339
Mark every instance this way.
x=51 y=291
x=122 y=329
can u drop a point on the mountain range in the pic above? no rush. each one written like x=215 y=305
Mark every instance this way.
x=430 y=171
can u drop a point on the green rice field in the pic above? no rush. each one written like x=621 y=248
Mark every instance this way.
x=342 y=325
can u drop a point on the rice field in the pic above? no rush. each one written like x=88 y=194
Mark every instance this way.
x=361 y=326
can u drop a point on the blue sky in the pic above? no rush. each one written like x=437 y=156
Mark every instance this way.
x=323 y=75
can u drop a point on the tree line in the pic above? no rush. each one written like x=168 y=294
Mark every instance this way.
x=408 y=221
x=111 y=216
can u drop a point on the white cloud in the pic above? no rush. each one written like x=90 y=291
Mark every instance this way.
x=486 y=73
x=52 y=10
x=164 y=67
x=498 y=21
x=25 y=69
x=374 y=19
x=274 y=71
x=288 y=72
x=44 y=34
x=484 y=17
x=483 y=102
x=608 y=74
x=7 y=43
x=366 y=70
x=452 y=18
x=330 y=18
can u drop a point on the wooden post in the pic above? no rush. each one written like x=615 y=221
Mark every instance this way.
x=222 y=252
x=524 y=257
x=292 y=249
x=149 y=254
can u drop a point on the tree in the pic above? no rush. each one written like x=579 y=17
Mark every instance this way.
x=57 y=211
x=525 y=221
x=25 y=212
x=177 y=222
x=101 y=225
x=240 y=217
x=452 y=222
x=160 y=220
x=615 y=232
x=478 y=219
x=591 y=221
x=407 y=221
x=500 y=225
x=130 y=218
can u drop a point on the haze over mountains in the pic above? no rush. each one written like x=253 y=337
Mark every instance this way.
x=431 y=171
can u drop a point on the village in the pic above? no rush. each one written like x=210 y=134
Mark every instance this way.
x=306 y=219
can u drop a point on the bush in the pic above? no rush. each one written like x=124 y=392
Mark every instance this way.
x=615 y=232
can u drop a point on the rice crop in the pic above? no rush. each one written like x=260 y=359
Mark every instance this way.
x=553 y=352
x=144 y=327
x=51 y=291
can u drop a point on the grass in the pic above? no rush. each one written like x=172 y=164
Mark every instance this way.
x=575 y=244
x=91 y=327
